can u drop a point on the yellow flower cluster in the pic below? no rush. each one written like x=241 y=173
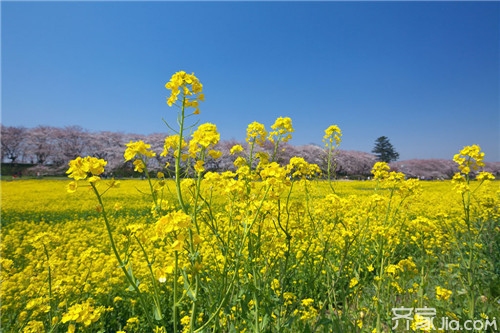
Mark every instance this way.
x=236 y=149
x=141 y=150
x=172 y=143
x=380 y=171
x=85 y=168
x=443 y=293
x=282 y=129
x=469 y=159
x=298 y=167
x=135 y=148
x=172 y=222
x=395 y=180
x=206 y=135
x=203 y=139
x=307 y=311
x=332 y=134
x=273 y=173
x=256 y=133
x=189 y=87
x=84 y=313
x=81 y=168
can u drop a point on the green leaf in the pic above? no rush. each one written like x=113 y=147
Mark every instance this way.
x=189 y=291
x=157 y=313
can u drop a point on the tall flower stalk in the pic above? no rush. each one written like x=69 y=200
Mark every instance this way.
x=186 y=93
x=331 y=139
x=470 y=160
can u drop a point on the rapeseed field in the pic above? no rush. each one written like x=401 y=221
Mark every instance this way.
x=264 y=248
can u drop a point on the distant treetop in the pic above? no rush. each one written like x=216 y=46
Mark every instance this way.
x=384 y=151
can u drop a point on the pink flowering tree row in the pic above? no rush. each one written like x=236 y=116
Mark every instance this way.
x=49 y=149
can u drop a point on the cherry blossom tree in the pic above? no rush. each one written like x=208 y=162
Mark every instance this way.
x=355 y=163
x=71 y=141
x=13 y=142
x=41 y=143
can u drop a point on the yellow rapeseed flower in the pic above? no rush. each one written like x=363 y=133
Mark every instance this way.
x=188 y=86
x=236 y=149
x=81 y=168
x=172 y=142
x=135 y=148
x=443 y=293
x=173 y=221
x=256 y=133
x=206 y=135
x=198 y=166
x=380 y=170
x=469 y=158
x=282 y=130
x=332 y=134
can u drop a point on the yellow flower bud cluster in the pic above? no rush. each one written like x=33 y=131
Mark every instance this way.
x=172 y=222
x=395 y=180
x=381 y=172
x=276 y=287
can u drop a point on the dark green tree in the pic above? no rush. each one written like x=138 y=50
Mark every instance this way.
x=384 y=151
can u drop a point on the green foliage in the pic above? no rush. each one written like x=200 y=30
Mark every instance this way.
x=384 y=151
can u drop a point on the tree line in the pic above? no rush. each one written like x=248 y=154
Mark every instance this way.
x=47 y=151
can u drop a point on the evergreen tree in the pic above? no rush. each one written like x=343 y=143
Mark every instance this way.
x=384 y=151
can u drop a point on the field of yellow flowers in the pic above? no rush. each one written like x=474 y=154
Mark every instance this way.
x=264 y=248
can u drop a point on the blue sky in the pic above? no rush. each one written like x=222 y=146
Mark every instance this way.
x=424 y=74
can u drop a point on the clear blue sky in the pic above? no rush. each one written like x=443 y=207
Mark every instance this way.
x=424 y=74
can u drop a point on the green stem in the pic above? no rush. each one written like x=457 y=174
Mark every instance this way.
x=250 y=155
x=131 y=279
x=176 y=276
x=256 y=311
x=178 y=158
x=50 y=281
x=193 y=306
x=329 y=167
x=153 y=280
x=192 y=250
x=379 y=289
x=155 y=199
x=275 y=151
